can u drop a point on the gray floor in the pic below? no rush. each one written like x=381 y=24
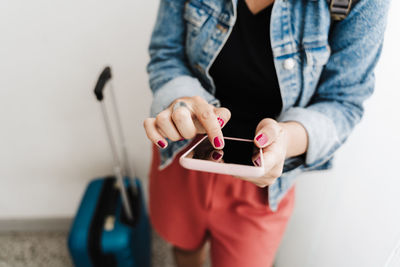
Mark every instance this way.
x=34 y=249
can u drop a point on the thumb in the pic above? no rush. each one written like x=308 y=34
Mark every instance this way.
x=223 y=115
x=266 y=132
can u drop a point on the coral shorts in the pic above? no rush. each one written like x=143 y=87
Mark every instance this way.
x=188 y=208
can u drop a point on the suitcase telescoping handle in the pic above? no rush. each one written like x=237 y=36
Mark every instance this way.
x=120 y=168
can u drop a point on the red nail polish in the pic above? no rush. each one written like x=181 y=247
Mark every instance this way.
x=257 y=161
x=161 y=144
x=221 y=121
x=216 y=156
x=262 y=139
x=217 y=142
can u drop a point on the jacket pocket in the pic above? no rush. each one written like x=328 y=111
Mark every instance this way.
x=317 y=56
x=315 y=59
x=195 y=15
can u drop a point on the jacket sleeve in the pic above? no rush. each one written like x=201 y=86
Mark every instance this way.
x=169 y=74
x=346 y=81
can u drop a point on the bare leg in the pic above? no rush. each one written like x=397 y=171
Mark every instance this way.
x=190 y=258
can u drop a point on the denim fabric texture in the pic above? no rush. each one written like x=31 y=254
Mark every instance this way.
x=324 y=68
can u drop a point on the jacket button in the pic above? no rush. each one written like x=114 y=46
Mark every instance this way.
x=288 y=64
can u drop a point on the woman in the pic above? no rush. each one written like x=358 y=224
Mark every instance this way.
x=287 y=76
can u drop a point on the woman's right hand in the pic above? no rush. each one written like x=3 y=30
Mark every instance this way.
x=186 y=117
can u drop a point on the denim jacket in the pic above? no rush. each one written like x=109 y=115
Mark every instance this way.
x=324 y=68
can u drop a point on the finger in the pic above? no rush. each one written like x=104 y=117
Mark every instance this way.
x=257 y=157
x=260 y=182
x=165 y=124
x=267 y=131
x=268 y=158
x=204 y=112
x=183 y=121
x=276 y=171
x=279 y=157
x=223 y=116
x=258 y=160
x=153 y=134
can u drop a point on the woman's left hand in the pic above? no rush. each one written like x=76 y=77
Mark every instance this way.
x=272 y=137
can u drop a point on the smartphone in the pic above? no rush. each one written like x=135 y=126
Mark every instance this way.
x=236 y=158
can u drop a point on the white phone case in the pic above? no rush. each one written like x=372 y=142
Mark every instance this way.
x=222 y=168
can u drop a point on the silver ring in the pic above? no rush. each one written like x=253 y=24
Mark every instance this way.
x=180 y=104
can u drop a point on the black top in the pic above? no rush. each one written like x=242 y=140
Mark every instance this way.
x=244 y=73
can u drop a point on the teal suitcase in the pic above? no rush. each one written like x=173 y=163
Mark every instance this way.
x=111 y=227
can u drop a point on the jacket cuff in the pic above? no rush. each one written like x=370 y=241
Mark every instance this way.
x=322 y=136
x=181 y=86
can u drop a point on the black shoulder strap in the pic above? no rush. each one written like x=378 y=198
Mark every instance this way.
x=339 y=8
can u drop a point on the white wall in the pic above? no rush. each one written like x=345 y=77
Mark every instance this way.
x=52 y=138
x=350 y=216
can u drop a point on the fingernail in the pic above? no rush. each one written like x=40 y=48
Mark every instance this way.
x=161 y=144
x=257 y=161
x=216 y=156
x=217 y=142
x=221 y=121
x=262 y=139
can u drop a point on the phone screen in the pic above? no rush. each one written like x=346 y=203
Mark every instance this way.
x=234 y=151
